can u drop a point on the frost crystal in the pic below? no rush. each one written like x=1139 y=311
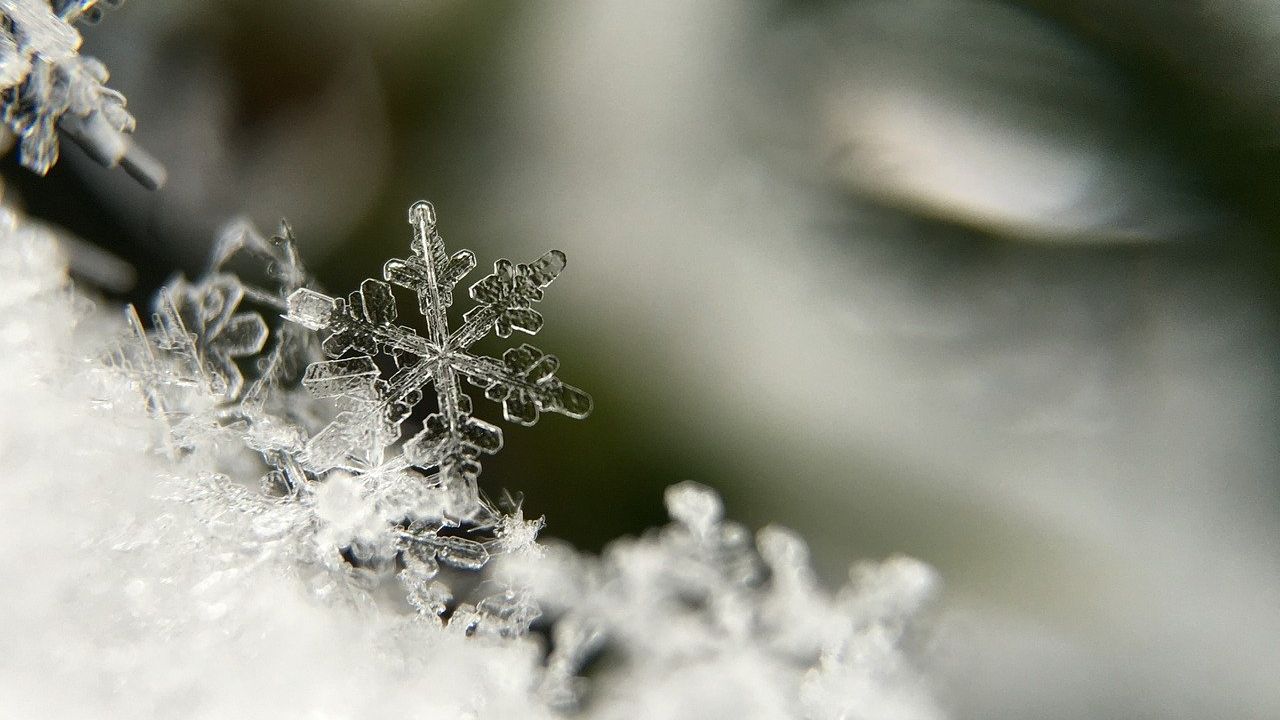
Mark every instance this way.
x=46 y=85
x=698 y=619
x=362 y=326
x=700 y=614
x=222 y=377
x=206 y=333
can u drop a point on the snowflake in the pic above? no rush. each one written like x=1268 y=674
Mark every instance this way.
x=206 y=333
x=203 y=321
x=46 y=85
x=372 y=409
x=291 y=347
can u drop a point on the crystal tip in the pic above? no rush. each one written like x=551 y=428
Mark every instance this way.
x=422 y=212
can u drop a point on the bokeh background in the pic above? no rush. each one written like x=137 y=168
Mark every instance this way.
x=993 y=284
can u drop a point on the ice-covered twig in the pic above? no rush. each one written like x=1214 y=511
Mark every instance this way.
x=48 y=87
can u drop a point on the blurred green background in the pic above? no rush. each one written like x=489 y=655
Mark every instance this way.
x=989 y=283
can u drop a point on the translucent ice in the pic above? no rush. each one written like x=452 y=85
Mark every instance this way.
x=362 y=326
x=47 y=86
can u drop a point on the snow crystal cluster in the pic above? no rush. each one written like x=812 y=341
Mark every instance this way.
x=324 y=423
x=47 y=87
x=235 y=527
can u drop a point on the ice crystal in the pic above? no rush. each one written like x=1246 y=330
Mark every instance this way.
x=362 y=326
x=206 y=333
x=739 y=627
x=46 y=85
x=221 y=377
x=162 y=572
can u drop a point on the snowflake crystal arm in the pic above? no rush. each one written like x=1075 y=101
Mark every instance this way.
x=430 y=272
x=212 y=367
x=46 y=85
x=362 y=326
x=205 y=321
